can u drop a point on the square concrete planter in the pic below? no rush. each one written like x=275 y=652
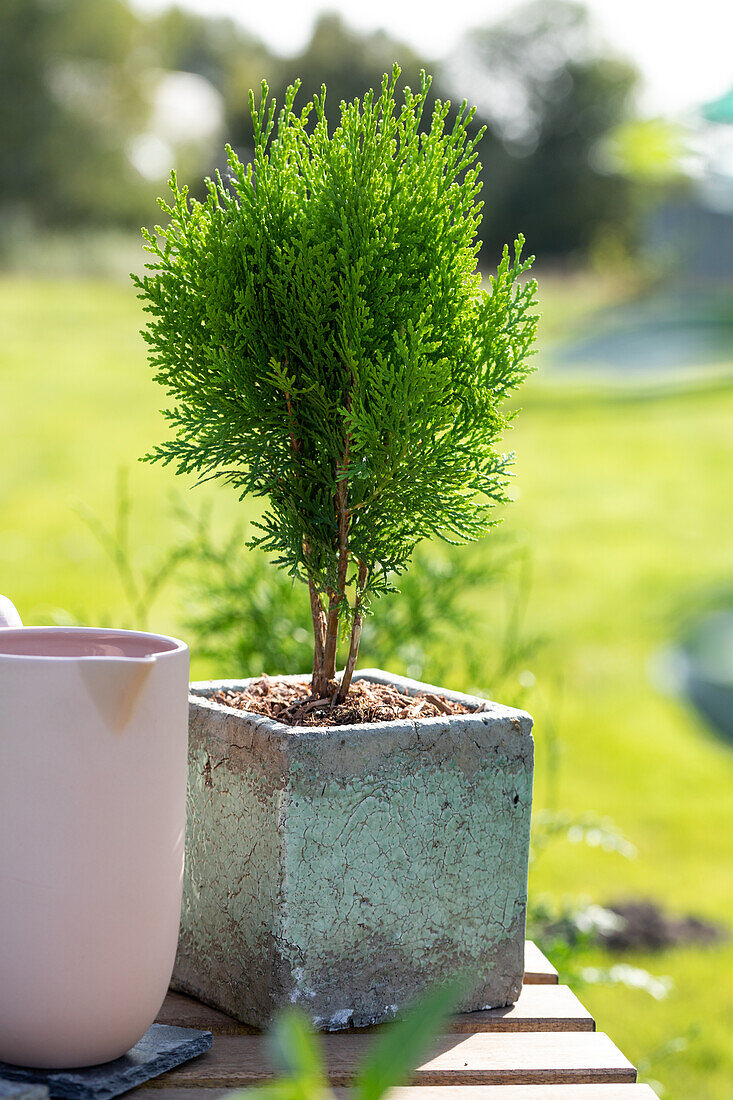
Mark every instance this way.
x=347 y=869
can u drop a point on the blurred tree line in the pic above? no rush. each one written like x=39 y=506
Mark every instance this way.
x=90 y=123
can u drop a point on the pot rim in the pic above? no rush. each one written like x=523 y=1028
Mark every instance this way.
x=486 y=709
x=168 y=646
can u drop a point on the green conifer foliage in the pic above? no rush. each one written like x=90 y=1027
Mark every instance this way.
x=320 y=326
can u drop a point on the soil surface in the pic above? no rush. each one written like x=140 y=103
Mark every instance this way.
x=647 y=927
x=293 y=703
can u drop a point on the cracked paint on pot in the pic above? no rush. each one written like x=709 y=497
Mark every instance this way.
x=346 y=869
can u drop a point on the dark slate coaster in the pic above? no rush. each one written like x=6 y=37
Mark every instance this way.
x=22 y=1090
x=160 y=1049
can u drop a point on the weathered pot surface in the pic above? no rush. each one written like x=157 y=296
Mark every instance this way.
x=347 y=869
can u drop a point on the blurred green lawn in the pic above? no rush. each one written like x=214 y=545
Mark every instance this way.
x=624 y=500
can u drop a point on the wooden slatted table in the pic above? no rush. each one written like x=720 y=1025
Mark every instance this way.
x=545 y=1047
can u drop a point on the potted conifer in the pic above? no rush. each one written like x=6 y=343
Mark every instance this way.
x=321 y=328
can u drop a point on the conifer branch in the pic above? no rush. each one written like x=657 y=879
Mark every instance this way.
x=328 y=346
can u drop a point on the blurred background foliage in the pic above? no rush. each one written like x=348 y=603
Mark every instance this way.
x=590 y=606
x=98 y=102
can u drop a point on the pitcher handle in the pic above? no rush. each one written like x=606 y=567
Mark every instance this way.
x=8 y=613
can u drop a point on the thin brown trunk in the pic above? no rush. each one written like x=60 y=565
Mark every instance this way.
x=318 y=615
x=336 y=595
x=319 y=626
x=328 y=672
x=345 y=684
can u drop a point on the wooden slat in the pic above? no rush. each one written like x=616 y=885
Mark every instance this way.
x=182 y=1011
x=448 y=1092
x=479 y=1059
x=539 y=1008
x=513 y=1092
x=146 y=1092
x=538 y=970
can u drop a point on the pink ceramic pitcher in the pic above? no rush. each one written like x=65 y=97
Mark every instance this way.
x=93 y=732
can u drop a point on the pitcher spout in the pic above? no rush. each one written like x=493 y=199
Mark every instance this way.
x=115 y=685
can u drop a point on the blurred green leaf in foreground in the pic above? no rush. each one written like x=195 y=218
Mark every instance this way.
x=394 y=1054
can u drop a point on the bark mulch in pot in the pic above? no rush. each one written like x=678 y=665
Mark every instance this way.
x=293 y=703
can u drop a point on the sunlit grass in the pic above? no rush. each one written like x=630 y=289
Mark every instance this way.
x=624 y=503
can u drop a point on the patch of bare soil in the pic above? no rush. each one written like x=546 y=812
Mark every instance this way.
x=293 y=704
x=646 y=927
